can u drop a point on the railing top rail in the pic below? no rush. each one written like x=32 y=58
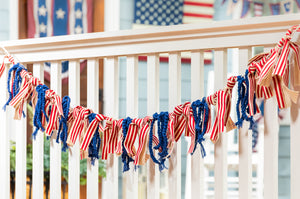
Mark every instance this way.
x=187 y=37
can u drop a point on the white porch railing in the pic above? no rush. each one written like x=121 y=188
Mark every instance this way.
x=194 y=38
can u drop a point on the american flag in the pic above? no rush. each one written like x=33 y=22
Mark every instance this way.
x=172 y=12
x=59 y=17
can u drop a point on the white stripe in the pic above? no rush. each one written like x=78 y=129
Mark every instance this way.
x=200 y=1
x=198 y=10
x=84 y=17
x=49 y=20
x=72 y=17
x=36 y=19
x=195 y=19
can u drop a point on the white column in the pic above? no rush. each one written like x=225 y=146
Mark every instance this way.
x=38 y=149
x=295 y=137
x=152 y=107
x=220 y=70
x=92 y=103
x=55 y=148
x=174 y=100
x=111 y=15
x=74 y=151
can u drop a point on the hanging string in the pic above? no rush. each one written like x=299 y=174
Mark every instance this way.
x=40 y=111
x=126 y=159
x=62 y=132
x=94 y=147
x=200 y=113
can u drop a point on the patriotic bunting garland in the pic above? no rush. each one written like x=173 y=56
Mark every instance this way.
x=267 y=76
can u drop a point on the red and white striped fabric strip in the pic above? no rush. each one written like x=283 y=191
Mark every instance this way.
x=219 y=124
x=91 y=130
x=281 y=65
x=120 y=138
x=296 y=50
x=2 y=67
x=231 y=82
x=251 y=90
x=278 y=91
x=78 y=124
x=265 y=77
x=141 y=156
x=111 y=135
x=56 y=111
x=132 y=132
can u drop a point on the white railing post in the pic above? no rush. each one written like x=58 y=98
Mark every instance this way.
x=74 y=152
x=55 y=148
x=220 y=170
x=152 y=107
x=21 y=148
x=92 y=103
x=111 y=108
x=245 y=141
x=295 y=137
x=174 y=100
x=4 y=141
x=38 y=149
x=130 y=188
x=197 y=91
x=271 y=131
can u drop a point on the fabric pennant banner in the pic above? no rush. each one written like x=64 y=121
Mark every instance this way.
x=287 y=6
x=275 y=8
x=267 y=75
x=245 y=8
x=258 y=9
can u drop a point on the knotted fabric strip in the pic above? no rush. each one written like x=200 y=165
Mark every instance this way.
x=132 y=133
x=27 y=89
x=222 y=101
x=141 y=157
x=110 y=136
x=80 y=121
x=2 y=67
x=181 y=119
x=56 y=111
x=96 y=123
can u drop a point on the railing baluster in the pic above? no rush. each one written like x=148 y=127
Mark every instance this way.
x=197 y=91
x=295 y=137
x=131 y=177
x=4 y=140
x=245 y=141
x=38 y=149
x=271 y=131
x=174 y=100
x=152 y=107
x=21 y=141
x=92 y=103
x=220 y=170
x=111 y=108
x=74 y=152
x=55 y=148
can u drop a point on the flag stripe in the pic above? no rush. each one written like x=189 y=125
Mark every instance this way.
x=200 y=4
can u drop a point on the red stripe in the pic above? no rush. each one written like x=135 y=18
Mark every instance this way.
x=201 y=4
x=188 y=14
